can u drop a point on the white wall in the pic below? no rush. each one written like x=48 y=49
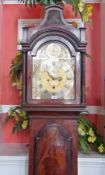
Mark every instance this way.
x=18 y=165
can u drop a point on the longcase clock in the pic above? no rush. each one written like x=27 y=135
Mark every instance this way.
x=53 y=92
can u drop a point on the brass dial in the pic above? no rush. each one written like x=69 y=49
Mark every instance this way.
x=53 y=82
x=53 y=73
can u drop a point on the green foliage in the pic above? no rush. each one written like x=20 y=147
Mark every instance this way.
x=16 y=67
x=87 y=133
x=88 y=136
x=18 y=115
x=16 y=71
x=83 y=144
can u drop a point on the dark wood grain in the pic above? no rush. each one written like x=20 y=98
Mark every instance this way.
x=46 y=135
x=52 y=151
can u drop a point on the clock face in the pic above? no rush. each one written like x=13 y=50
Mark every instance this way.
x=53 y=73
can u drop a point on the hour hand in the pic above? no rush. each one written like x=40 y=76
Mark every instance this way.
x=51 y=75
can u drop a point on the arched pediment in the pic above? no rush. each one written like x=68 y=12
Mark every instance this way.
x=54 y=25
x=52 y=32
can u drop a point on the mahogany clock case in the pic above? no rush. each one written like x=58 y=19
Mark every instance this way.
x=53 y=92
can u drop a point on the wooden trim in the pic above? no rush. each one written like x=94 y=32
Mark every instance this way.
x=25 y=22
x=88 y=110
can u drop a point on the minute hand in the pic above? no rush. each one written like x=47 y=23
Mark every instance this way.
x=54 y=77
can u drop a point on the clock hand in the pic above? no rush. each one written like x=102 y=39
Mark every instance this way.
x=53 y=77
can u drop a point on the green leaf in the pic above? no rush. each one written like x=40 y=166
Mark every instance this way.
x=85 y=121
x=16 y=70
x=84 y=145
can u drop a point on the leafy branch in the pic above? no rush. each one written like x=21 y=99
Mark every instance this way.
x=87 y=133
x=16 y=72
x=18 y=115
x=88 y=136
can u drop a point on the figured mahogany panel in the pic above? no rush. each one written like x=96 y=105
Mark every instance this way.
x=52 y=141
x=52 y=151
